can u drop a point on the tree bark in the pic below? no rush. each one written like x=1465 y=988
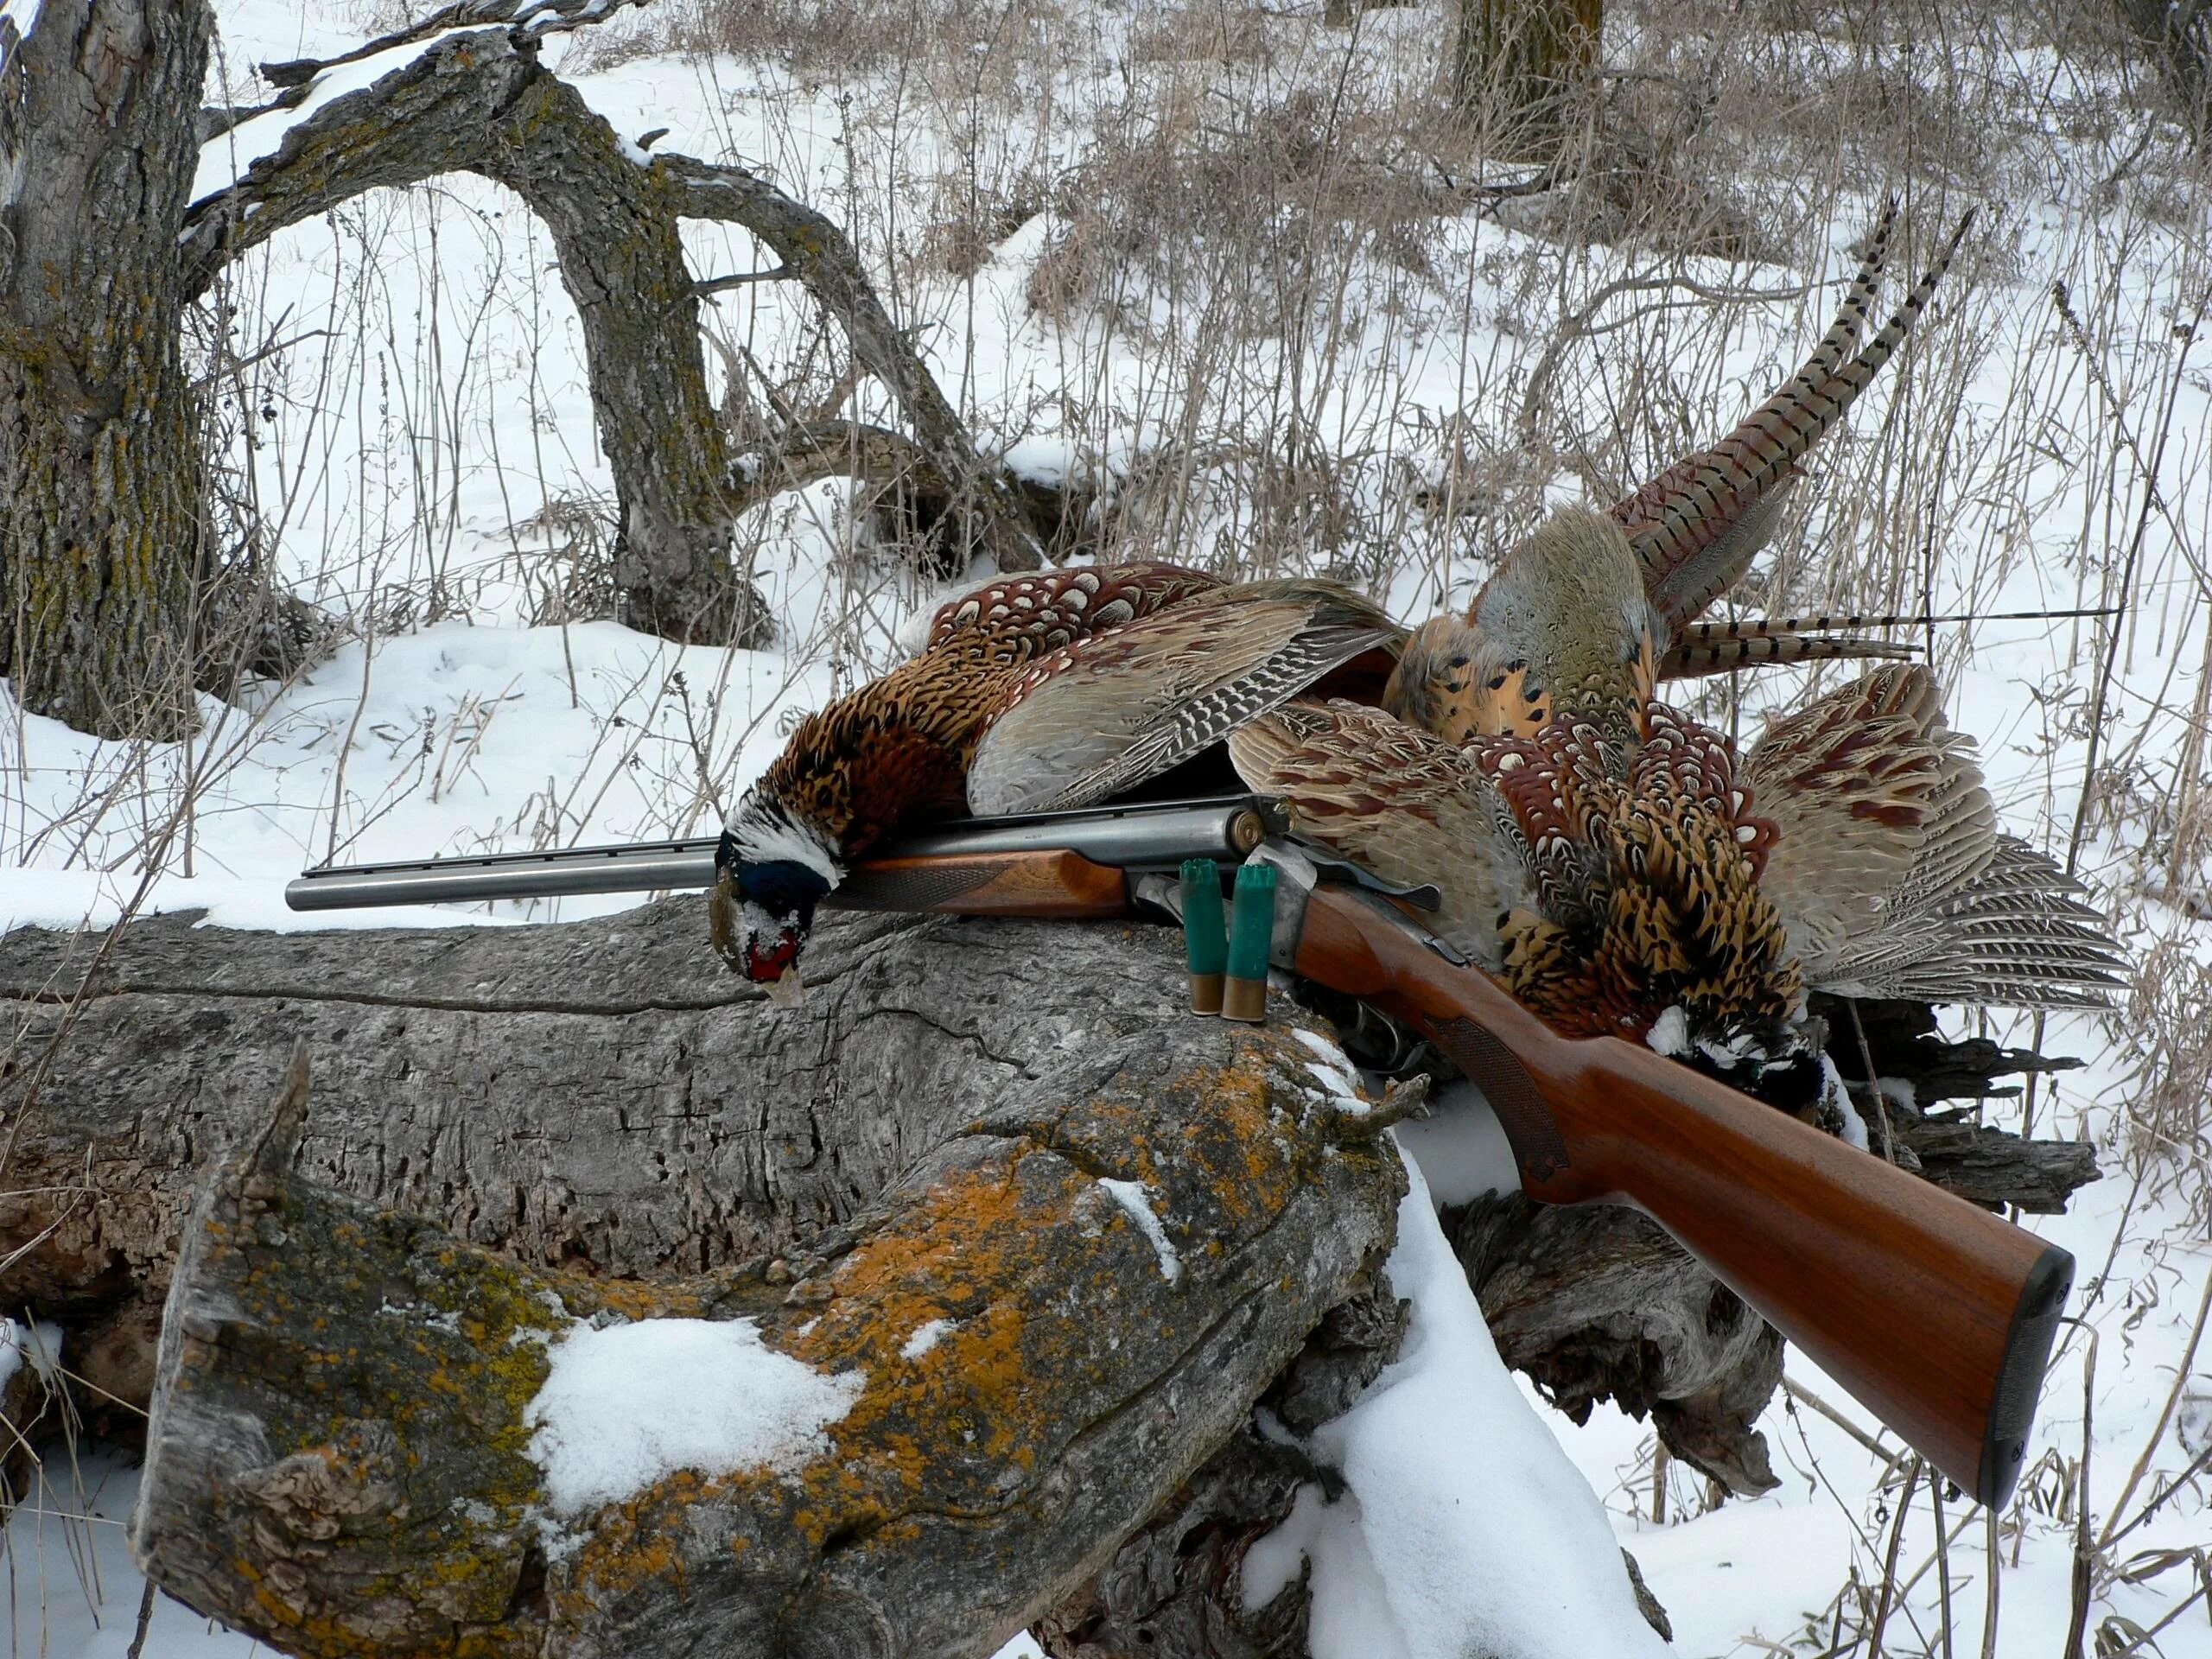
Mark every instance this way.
x=1517 y=64
x=100 y=499
x=2178 y=34
x=909 y=485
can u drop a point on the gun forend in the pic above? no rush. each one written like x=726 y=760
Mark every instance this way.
x=1013 y=862
x=1938 y=1316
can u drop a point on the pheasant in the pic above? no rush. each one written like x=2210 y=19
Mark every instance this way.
x=1033 y=694
x=1059 y=690
x=1624 y=872
x=1693 y=531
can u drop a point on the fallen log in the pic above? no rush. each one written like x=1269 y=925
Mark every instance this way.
x=601 y=1103
x=998 y=1370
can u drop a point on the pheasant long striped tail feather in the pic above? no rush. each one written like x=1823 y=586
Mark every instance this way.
x=1705 y=648
x=1697 y=526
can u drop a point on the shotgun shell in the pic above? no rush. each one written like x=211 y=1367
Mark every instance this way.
x=1205 y=935
x=1251 y=933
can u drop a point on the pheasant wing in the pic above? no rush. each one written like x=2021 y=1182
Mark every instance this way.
x=1888 y=871
x=1015 y=618
x=1396 y=800
x=1869 y=792
x=1108 y=711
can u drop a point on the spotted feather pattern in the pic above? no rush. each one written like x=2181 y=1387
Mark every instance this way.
x=1397 y=800
x=1646 y=861
x=1697 y=526
x=1021 y=618
x=1680 y=758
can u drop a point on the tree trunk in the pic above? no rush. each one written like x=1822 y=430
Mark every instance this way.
x=99 y=501
x=482 y=103
x=1517 y=64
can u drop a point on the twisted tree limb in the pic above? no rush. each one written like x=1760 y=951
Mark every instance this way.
x=480 y=101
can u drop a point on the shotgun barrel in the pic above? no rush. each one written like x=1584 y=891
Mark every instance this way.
x=1146 y=836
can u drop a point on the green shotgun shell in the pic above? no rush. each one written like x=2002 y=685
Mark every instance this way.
x=1205 y=934
x=1251 y=932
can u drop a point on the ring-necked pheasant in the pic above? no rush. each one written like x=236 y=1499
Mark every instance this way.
x=1034 y=693
x=1624 y=872
x=1692 y=532
x=1612 y=859
x=1059 y=690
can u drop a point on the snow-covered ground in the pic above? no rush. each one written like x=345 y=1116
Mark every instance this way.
x=425 y=453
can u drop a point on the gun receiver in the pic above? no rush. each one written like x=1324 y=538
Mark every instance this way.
x=1938 y=1316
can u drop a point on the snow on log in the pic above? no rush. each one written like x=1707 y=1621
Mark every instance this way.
x=370 y=1437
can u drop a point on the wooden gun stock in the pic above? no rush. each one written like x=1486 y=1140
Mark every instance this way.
x=1938 y=1316
x=1054 y=882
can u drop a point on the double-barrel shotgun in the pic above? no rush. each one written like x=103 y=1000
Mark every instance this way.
x=1936 y=1315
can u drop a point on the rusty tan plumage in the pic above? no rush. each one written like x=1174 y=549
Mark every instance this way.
x=1608 y=877
x=1607 y=872
x=1562 y=625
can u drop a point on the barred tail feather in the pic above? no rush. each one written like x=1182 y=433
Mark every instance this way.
x=2015 y=936
x=1694 y=527
x=1686 y=660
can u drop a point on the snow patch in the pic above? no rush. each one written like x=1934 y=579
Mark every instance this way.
x=926 y=1337
x=1132 y=1197
x=39 y=1343
x=1461 y=1148
x=625 y=1405
x=1332 y=1069
x=1465 y=1531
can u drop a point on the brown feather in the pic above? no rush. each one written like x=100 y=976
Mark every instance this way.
x=1891 y=872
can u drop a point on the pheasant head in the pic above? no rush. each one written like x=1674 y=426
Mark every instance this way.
x=773 y=866
x=1563 y=625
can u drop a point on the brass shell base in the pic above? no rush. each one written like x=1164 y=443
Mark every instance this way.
x=1245 y=1000
x=1205 y=993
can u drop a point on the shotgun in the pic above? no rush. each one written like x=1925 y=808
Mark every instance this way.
x=1937 y=1316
